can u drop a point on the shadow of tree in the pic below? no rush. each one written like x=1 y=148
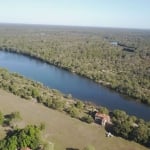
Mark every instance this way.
x=72 y=149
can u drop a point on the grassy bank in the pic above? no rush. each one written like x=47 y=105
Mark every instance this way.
x=64 y=131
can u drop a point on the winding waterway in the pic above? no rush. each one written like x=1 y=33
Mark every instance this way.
x=70 y=83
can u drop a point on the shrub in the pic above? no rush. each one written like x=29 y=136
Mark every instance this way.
x=79 y=104
x=87 y=119
x=73 y=112
x=1 y=118
x=57 y=104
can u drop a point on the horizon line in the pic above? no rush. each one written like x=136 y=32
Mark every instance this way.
x=83 y=26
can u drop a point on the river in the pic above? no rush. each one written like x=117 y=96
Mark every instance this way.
x=69 y=83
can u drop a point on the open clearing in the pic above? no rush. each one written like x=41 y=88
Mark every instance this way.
x=61 y=129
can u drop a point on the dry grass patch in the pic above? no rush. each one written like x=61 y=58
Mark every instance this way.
x=64 y=131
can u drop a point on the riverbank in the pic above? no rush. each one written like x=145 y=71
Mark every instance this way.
x=68 y=83
x=103 y=83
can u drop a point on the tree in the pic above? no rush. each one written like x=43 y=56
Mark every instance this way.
x=141 y=134
x=122 y=125
x=73 y=111
x=1 y=118
x=119 y=115
x=12 y=143
x=122 y=129
x=20 y=138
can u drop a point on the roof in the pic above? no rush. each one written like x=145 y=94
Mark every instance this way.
x=102 y=116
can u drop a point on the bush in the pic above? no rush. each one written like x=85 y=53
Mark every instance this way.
x=103 y=110
x=79 y=104
x=73 y=112
x=35 y=93
x=87 y=119
x=57 y=104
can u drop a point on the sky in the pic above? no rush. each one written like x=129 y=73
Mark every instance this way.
x=99 y=13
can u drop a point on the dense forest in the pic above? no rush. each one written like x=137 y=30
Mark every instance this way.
x=128 y=127
x=89 y=52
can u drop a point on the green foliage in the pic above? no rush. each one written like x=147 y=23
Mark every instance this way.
x=87 y=119
x=35 y=93
x=29 y=90
x=79 y=104
x=20 y=138
x=119 y=115
x=73 y=112
x=11 y=143
x=141 y=134
x=130 y=127
x=57 y=104
x=103 y=110
x=1 y=118
x=122 y=129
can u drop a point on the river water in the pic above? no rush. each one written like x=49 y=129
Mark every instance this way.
x=69 y=83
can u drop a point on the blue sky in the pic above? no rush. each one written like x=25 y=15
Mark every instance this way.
x=101 y=13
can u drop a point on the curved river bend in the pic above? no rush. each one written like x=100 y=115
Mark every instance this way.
x=69 y=83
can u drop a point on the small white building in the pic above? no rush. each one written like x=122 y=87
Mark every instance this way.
x=114 y=43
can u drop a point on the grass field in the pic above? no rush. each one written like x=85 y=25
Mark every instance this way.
x=62 y=130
